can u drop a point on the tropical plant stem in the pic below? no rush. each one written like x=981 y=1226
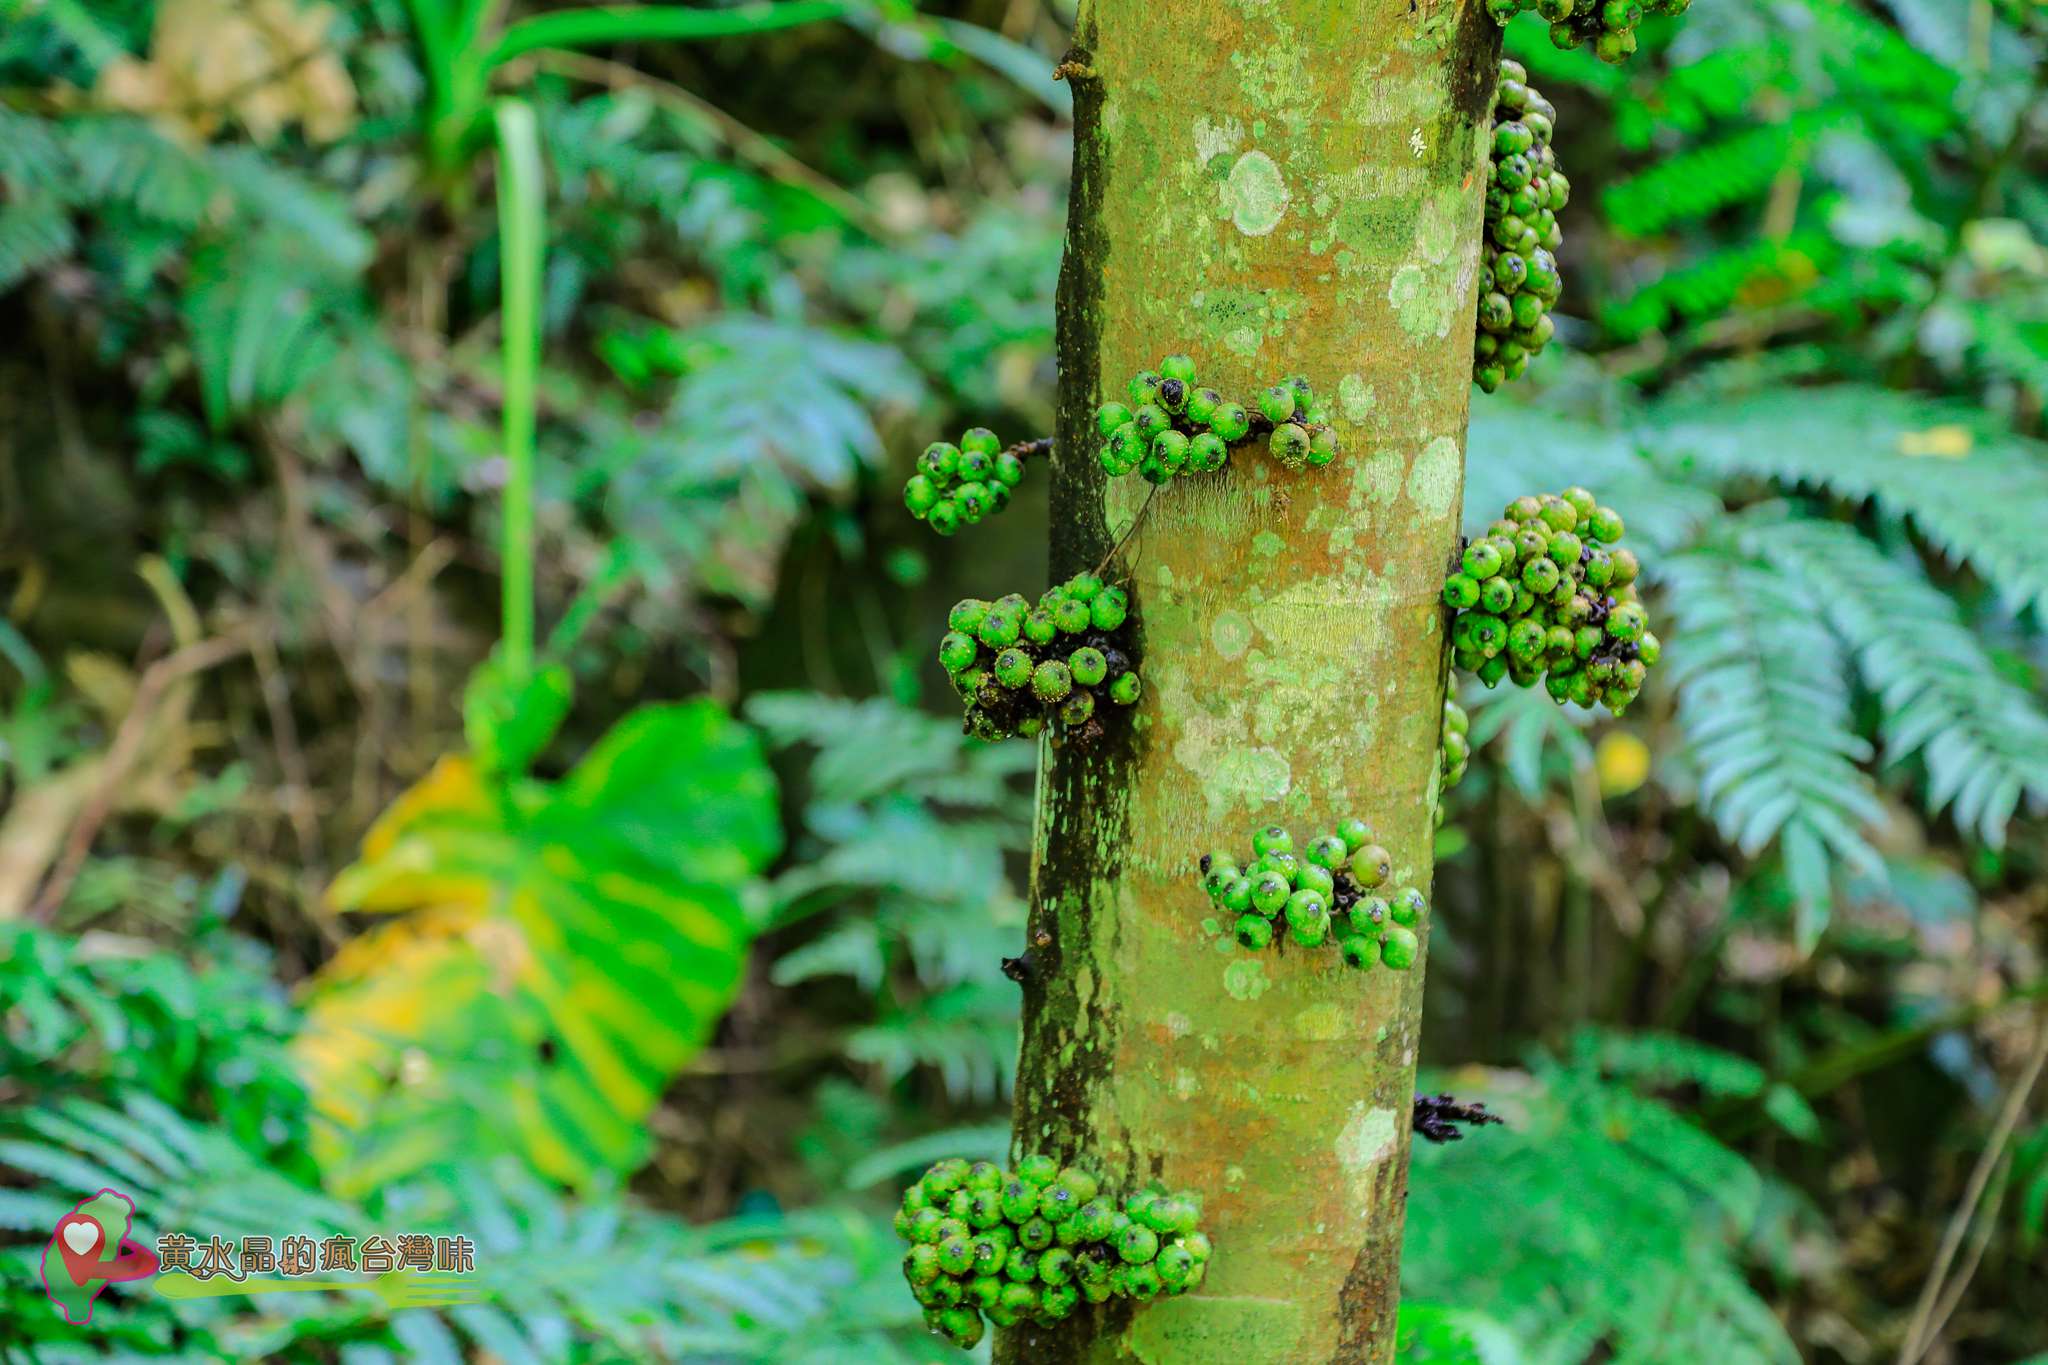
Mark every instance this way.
x=603 y=25
x=522 y=236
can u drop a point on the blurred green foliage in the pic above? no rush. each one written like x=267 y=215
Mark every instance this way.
x=672 y=993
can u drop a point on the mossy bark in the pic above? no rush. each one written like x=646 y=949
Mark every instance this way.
x=1275 y=187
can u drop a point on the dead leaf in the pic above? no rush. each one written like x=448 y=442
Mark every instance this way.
x=268 y=65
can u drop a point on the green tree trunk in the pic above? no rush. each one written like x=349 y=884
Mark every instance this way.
x=1274 y=187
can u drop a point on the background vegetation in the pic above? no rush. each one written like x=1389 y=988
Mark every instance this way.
x=296 y=893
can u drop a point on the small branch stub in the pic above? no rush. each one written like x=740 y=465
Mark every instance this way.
x=1436 y=1117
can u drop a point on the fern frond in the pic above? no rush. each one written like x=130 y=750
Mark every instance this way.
x=1868 y=56
x=1701 y=181
x=33 y=232
x=1631 y=1234
x=718 y=498
x=122 y=161
x=967 y=1034
x=2011 y=342
x=1757 y=272
x=1721 y=84
x=1764 y=702
x=263 y=323
x=988 y=1141
x=31 y=158
x=1982 y=737
x=1538 y=741
x=1979 y=493
x=1664 y=1060
x=319 y=222
x=1861 y=284
x=1512 y=450
x=806 y=1286
x=866 y=749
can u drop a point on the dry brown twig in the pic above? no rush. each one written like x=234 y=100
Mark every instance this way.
x=1924 y=1326
x=122 y=754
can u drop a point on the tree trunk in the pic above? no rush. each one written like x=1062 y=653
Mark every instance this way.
x=1274 y=187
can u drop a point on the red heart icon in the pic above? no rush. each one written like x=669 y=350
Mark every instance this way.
x=80 y=1240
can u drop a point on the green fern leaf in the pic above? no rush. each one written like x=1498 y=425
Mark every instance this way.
x=1512 y=450
x=1982 y=737
x=1756 y=272
x=1701 y=181
x=1632 y=1236
x=1764 y=704
x=966 y=1034
x=31 y=156
x=1977 y=492
x=122 y=161
x=1665 y=1060
x=34 y=231
x=261 y=314
x=2010 y=342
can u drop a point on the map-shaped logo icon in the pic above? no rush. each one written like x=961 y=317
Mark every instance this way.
x=91 y=1249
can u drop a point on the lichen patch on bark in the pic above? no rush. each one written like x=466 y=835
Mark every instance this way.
x=1256 y=194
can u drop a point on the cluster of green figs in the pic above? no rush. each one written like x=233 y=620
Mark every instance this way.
x=1455 y=748
x=1607 y=26
x=1020 y=669
x=1174 y=426
x=1033 y=1244
x=1518 y=277
x=1326 y=891
x=1548 y=595
x=959 y=485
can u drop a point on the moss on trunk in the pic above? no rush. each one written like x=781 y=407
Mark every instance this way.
x=1274 y=187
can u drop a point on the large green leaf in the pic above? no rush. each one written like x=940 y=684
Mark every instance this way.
x=563 y=949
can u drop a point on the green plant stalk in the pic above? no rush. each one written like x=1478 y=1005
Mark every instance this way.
x=522 y=236
x=461 y=48
x=1288 y=188
x=609 y=25
x=451 y=46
